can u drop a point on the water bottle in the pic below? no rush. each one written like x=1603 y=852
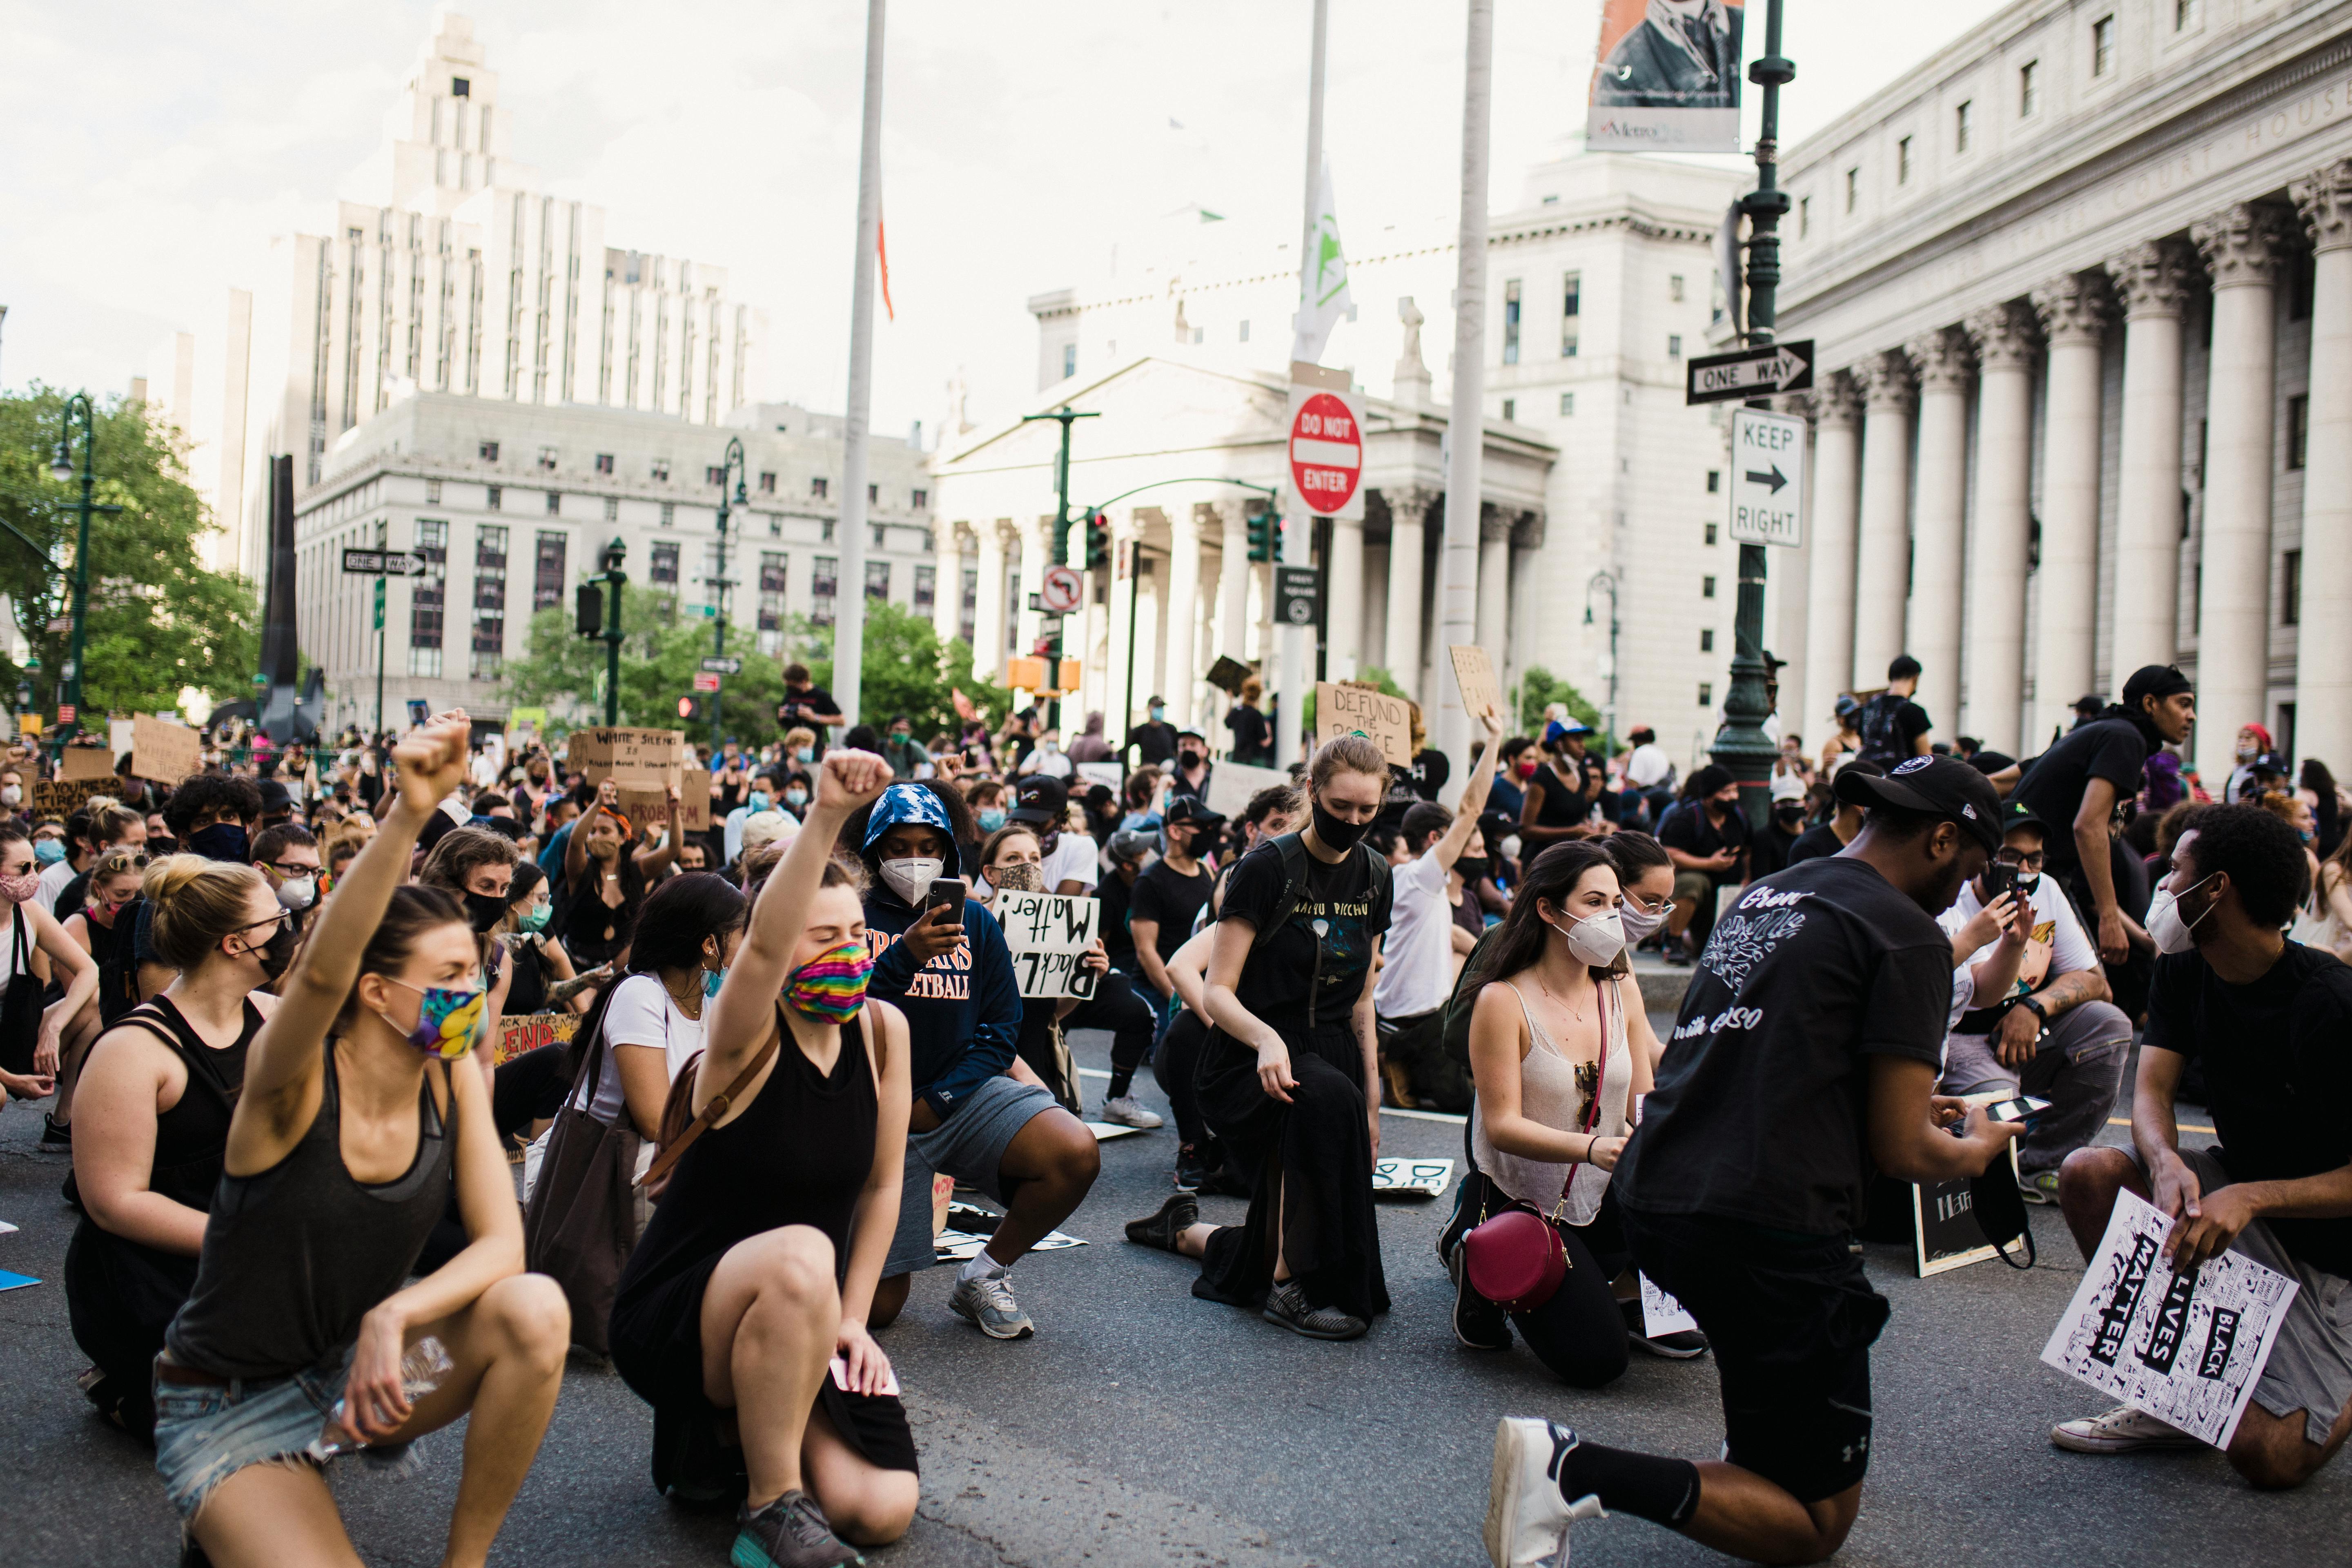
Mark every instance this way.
x=421 y=1372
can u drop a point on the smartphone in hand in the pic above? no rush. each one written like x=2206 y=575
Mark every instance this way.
x=2022 y=1108
x=946 y=893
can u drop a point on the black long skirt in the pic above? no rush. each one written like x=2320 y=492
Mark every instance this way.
x=1311 y=1161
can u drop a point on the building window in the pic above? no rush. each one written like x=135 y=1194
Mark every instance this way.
x=714 y=475
x=1244 y=331
x=659 y=469
x=2290 y=587
x=611 y=509
x=2298 y=429
x=1714 y=482
x=767 y=483
x=922 y=499
x=1903 y=160
x=970 y=610
x=1568 y=404
x=554 y=502
x=1571 y=312
x=489 y=642
x=547 y=458
x=494 y=498
x=547 y=573
x=662 y=567
x=1706 y=694
x=1961 y=128
x=1706 y=585
x=1804 y=216
x=877 y=579
x=1069 y=360
x=774 y=571
x=433 y=492
x=818 y=488
x=1511 y=321
x=1706 y=640
x=425 y=593
x=2184 y=15
x=926 y=589
x=669 y=514
x=1710 y=536
x=1674 y=345
x=1853 y=188
x=2102 y=45
x=1674 y=286
x=2025 y=88
x=823 y=577
x=490 y=450
x=604 y=462
x=1510 y=410
x=872 y=494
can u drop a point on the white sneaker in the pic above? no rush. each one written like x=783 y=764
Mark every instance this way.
x=1526 y=1519
x=2119 y=1431
x=1128 y=1111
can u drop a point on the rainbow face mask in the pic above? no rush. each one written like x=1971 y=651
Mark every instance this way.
x=448 y=1021
x=832 y=986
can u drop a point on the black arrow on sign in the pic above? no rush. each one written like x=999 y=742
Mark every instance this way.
x=1774 y=480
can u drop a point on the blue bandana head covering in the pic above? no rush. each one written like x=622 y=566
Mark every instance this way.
x=906 y=803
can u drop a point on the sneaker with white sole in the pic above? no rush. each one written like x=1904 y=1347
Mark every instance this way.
x=790 y=1533
x=2122 y=1430
x=2042 y=1187
x=1128 y=1111
x=1526 y=1518
x=1683 y=1344
x=988 y=1305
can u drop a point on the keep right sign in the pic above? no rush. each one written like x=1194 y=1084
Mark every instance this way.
x=1768 y=478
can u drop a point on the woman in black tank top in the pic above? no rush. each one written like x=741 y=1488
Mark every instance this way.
x=606 y=871
x=777 y=1220
x=156 y=1094
x=360 y=1107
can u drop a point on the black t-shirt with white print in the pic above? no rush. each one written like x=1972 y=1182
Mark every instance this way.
x=1760 y=1113
x=1283 y=968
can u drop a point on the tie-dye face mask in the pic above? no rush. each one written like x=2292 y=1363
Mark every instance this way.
x=831 y=986
x=448 y=1021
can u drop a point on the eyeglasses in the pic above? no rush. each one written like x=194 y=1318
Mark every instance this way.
x=282 y=918
x=284 y=869
x=2022 y=861
x=1647 y=906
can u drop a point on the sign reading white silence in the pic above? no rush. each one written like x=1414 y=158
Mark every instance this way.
x=1049 y=934
x=2186 y=1348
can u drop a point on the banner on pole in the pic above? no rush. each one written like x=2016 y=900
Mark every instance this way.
x=1667 y=77
x=1323 y=299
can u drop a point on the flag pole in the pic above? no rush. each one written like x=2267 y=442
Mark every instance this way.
x=849 y=596
x=1457 y=607
x=1296 y=540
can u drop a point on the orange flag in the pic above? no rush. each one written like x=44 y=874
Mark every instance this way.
x=882 y=254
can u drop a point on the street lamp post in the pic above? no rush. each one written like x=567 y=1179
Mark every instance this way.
x=615 y=554
x=733 y=463
x=1060 y=552
x=1604 y=579
x=61 y=468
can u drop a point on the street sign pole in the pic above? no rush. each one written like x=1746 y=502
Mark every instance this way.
x=1060 y=554
x=734 y=464
x=1740 y=744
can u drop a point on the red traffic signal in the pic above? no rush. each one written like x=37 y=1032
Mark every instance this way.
x=690 y=708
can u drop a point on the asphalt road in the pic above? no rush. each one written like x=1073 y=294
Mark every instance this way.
x=1143 y=1426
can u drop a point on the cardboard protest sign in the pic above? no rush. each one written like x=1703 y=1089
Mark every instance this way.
x=2186 y=1348
x=1102 y=773
x=163 y=751
x=1227 y=674
x=1662 y=1314
x=528 y=1031
x=1048 y=934
x=646 y=803
x=1231 y=785
x=1474 y=672
x=87 y=762
x=61 y=798
x=1346 y=709
x=632 y=756
x=1411 y=1178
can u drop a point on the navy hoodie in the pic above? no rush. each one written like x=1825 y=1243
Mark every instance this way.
x=963 y=1009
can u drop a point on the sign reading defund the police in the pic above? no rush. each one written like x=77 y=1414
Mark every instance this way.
x=1768 y=478
x=1049 y=935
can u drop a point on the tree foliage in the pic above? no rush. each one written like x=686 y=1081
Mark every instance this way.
x=157 y=618
x=1539 y=690
x=906 y=669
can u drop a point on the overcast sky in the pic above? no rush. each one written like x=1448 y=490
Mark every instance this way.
x=156 y=148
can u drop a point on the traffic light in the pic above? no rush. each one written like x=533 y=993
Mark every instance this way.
x=1262 y=531
x=588 y=610
x=1098 y=539
x=689 y=709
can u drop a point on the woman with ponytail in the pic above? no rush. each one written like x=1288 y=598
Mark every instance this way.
x=361 y=1109
x=741 y=1316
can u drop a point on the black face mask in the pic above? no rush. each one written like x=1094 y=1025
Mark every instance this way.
x=484 y=911
x=278 y=952
x=1188 y=759
x=1334 y=833
x=1472 y=867
x=221 y=841
x=1789 y=815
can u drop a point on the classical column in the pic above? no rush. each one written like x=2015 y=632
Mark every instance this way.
x=1037 y=537
x=946 y=579
x=1995 y=648
x=1829 y=574
x=1343 y=598
x=1494 y=593
x=1408 y=508
x=2073 y=310
x=1127 y=692
x=2323 y=663
x=1182 y=608
x=988 y=622
x=2241 y=246
x=1233 y=581
x=1932 y=633
x=2152 y=279
x=1883 y=541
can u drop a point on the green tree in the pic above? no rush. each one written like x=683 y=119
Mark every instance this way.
x=158 y=620
x=906 y=669
x=565 y=673
x=1539 y=690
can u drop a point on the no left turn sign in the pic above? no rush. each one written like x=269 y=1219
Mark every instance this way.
x=1060 y=594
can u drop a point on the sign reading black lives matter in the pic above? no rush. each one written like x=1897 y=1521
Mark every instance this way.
x=2186 y=1348
x=1049 y=935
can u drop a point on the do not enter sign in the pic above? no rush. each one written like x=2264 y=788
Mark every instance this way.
x=1326 y=452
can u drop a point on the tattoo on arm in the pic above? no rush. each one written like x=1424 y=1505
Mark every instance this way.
x=2072 y=990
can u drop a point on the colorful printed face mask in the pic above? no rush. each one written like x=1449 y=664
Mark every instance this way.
x=831 y=986
x=448 y=1021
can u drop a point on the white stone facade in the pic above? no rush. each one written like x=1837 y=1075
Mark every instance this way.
x=2082 y=288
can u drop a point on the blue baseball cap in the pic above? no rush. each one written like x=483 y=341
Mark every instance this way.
x=905 y=803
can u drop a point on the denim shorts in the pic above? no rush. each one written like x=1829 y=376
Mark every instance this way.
x=969 y=1145
x=206 y=1433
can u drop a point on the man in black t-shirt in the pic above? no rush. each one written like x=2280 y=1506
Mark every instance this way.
x=1845 y=822
x=2076 y=785
x=1169 y=895
x=2268 y=1018
x=1707 y=842
x=1804 y=1057
x=1154 y=741
x=1892 y=727
x=805 y=702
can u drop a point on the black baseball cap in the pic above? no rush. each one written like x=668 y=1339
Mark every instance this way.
x=1040 y=800
x=1191 y=808
x=2016 y=813
x=1940 y=786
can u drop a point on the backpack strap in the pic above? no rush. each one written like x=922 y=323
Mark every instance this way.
x=1293 y=850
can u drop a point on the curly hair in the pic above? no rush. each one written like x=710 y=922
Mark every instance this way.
x=2260 y=852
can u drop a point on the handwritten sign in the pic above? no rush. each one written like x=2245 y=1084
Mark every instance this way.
x=60 y=798
x=528 y=1031
x=1227 y=674
x=2186 y=1348
x=632 y=756
x=163 y=751
x=647 y=804
x=1349 y=709
x=1662 y=1314
x=1411 y=1178
x=86 y=762
x=1049 y=934
x=1474 y=672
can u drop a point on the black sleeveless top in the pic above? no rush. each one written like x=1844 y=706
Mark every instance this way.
x=799 y=1154
x=295 y=1256
x=585 y=915
x=191 y=1137
x=527 y=992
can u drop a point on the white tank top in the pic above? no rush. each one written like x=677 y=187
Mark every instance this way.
x=1548 y=1094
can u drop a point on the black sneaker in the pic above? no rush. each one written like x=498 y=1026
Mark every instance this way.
x=1479 y=1323
x=1286 y=1304
x=1683 y=1344
x=790 y=1533
x=1193 y=1172
x=1678 y=956
x=54 y=1134
x=1176 y=1215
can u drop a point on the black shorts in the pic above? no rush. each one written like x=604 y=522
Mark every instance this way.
x=1790 y=1322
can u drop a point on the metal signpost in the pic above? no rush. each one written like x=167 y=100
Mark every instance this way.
x=1768 y=478
x=380 y=565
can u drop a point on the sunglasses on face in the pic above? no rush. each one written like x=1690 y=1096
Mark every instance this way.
x=2024 y=862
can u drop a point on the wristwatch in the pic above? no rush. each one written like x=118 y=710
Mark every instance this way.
x=2039 y=1010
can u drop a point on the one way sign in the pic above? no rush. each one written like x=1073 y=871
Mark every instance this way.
x=1750 y=373
x=1768 y=478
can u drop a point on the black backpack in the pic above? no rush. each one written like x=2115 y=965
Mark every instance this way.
x=1881 y=730
x=1293 y=850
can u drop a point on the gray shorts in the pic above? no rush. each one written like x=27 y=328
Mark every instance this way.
x=2310 y=1367
x=969 y=1145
